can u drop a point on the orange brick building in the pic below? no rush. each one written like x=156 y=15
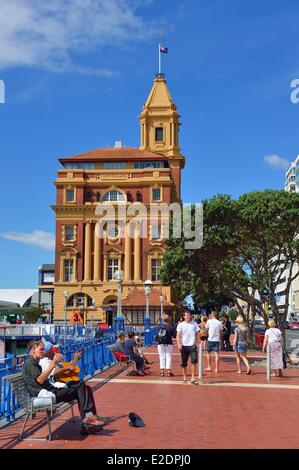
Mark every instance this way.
x=85 y=263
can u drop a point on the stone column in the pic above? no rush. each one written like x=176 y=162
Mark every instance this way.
x=61 y=268
x=128 y=253
x=75 y=268
x=105 y=274
x=87 y=252
x=97 y=255
x=137 y=253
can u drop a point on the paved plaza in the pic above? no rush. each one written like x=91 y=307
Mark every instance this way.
x=227 y=410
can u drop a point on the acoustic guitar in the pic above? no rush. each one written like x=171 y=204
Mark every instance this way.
x=69 y=375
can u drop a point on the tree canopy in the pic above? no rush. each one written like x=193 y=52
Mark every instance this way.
x=249 y=243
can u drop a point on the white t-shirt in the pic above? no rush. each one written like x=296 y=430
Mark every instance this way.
x=215 y=327
x=188 y=331
x=45 y=362
x=274 y=335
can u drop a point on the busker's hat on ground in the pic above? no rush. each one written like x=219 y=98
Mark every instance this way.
x=135 y=420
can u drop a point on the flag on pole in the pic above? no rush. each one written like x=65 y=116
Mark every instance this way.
x=164 y=50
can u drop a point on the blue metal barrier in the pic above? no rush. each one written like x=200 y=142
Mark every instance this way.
x=149 y=336
x=96 y=356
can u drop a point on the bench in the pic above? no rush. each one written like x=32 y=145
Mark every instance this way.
x=30 y=406
x=124 y=360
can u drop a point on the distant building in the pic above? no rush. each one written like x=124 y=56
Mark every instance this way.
x=292 y=177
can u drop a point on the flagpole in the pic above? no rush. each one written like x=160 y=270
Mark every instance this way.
x=159 y=59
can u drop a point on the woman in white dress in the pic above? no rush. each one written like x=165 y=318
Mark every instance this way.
x=273 y=337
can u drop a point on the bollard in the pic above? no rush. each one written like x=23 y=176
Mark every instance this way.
x=268 y=362
x=200 y=361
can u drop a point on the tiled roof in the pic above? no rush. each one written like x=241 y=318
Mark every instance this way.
x=136 y=298
x=114 y=154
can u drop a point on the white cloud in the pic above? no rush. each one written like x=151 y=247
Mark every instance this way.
x=277 y=162
x=50 y=34
x=43 y=240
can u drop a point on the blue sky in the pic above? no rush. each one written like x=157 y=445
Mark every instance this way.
x=78 y=72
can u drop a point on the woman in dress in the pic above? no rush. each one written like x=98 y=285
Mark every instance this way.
x=240 y=344
x=273 y=338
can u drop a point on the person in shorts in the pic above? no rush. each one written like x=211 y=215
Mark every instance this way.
x=187 y=339
x=214 y=327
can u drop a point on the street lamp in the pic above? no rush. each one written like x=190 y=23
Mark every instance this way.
x=119 y=324
x=66 y=294
x=93 y=310
x=161 y=304
x=147 y=288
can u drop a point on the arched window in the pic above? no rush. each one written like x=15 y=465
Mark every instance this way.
x=114 y=196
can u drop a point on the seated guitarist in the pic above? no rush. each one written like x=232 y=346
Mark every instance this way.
x=77 y=390
x=60 y=370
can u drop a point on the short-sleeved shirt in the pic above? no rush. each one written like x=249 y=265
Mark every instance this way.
x=215 y=327
x=129 y=347
x=273 y=334
x=188 y=332
x=119 y=346
x=30 y=371
x=242 y=335
x=45 y=362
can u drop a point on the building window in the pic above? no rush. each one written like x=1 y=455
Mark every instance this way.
x=68 y=270
x=156 y=232
x=69 y=233
x=80 y=166
x=114 y=196
x=159 y=134
x=141 y=165
x=114 y=165
x=112 y=268
x=156 y=194
x=112 y=231
x=70 y=195
x=156 y=267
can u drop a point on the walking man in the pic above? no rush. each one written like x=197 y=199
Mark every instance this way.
x=214 y=327
x=187 y=340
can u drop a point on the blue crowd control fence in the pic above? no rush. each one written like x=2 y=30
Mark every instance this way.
x=96 y=356
x=149 y=336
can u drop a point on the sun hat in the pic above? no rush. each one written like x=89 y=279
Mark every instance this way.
x=135 y=420
x=48 y=346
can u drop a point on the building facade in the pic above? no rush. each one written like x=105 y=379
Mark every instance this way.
x=85 y=262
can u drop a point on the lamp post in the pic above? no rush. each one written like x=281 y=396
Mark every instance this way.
x=119 y=323
x=147 y=288
x=161 y=312
x=65 y=294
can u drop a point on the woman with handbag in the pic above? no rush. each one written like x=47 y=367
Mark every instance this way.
x=241 y=344
x=273 y=337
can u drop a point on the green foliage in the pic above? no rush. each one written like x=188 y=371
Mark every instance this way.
x=247 y=245
x=32 y=314
x=232 y=314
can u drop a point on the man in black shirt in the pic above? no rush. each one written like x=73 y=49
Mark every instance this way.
x=36 y=380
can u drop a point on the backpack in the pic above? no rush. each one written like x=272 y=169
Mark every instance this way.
x=161 y=337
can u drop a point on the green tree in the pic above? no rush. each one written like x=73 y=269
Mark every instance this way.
x=31 y=314
x=249 y=243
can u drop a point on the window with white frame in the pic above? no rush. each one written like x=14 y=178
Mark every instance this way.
x=68 y=270
x=114 y=165
x=156 y=268
x=156 y=194
x=112 y=268
x=114 y=196
x=156 y=231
